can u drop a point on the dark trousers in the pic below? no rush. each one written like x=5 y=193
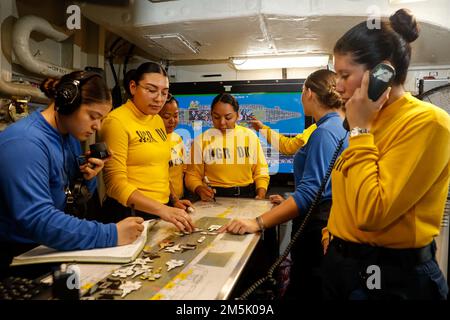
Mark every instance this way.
x=262 y=258
x=305 y=281
x=347 y=276
x=307 y=253
x=113 y=211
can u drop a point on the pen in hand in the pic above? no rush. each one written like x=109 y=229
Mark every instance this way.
x=209 y=186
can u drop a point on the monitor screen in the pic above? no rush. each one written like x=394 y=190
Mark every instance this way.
x=277 y=106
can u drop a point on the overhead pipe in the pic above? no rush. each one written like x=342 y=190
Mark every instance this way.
x=17 y=89
x=21 y=35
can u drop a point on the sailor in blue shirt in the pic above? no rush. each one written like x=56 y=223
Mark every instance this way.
x=38 y=163
x=321 y=100
x=312 y=160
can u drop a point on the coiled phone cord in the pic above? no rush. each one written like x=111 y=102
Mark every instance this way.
x=318 y=197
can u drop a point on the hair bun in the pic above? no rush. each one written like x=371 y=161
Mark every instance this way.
x=48 y=87
x=405 y=24
x=334 y=99
x=130 y=75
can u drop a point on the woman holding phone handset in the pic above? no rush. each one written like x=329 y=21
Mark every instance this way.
x=389 y=186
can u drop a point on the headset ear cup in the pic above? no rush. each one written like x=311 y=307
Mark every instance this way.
x=66 y=97
x=68 y=93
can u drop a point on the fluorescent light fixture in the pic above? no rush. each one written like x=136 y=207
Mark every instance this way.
x=174 y=43
x=277 y=62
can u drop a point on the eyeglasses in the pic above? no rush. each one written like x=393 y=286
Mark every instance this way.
x=154 y=93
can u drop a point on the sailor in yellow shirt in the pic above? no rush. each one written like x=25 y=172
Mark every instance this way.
x=177 y=163
x=283 y=144
x=227 y=157
x=390 y=185
x=137 y=176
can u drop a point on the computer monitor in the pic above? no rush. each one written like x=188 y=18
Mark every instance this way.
x=277 y=103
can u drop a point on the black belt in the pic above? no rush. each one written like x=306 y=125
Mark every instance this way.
x=403 y=257
x=246 y=191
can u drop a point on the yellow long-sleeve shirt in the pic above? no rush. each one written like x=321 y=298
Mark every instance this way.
x=177 y=165
x=234 y=159
x=141 y=154
x=389 y=187
x=285 y=144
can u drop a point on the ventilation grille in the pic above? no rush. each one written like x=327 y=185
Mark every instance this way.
x=174 y=43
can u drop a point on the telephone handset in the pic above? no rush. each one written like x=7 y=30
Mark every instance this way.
x=380 y=78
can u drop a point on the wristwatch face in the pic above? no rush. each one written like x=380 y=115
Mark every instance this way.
x=357 y=131
x=354 y=132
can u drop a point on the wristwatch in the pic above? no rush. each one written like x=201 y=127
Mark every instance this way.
x=356 y=131
x=260 y=223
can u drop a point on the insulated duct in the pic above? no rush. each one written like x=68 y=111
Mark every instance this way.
x=21 y=35
x=17 y=89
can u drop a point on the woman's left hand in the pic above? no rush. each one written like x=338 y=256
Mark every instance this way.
x=360 y=110
x=183 y=204
x=260 y=194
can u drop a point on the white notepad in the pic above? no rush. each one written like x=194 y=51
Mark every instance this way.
x=118 y=254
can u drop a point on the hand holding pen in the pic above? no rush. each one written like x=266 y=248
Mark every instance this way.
x=208 y=184
x=206 y=193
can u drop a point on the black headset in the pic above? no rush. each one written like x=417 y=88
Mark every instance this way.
x=68 y=92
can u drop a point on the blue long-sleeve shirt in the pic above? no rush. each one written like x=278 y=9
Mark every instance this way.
x=33 y=176
x=311 y=161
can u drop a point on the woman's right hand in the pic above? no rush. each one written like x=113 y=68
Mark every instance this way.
x=240 y=226
x=325 y=240
x=178 y=217
x=128 y=230
x=276 y=199
x=205 y=193
x=360 y=110
x=256 y=124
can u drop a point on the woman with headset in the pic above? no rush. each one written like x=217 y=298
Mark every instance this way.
x=389 y=187
x=320 y=100
x=137 y=176
x=38 y=165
